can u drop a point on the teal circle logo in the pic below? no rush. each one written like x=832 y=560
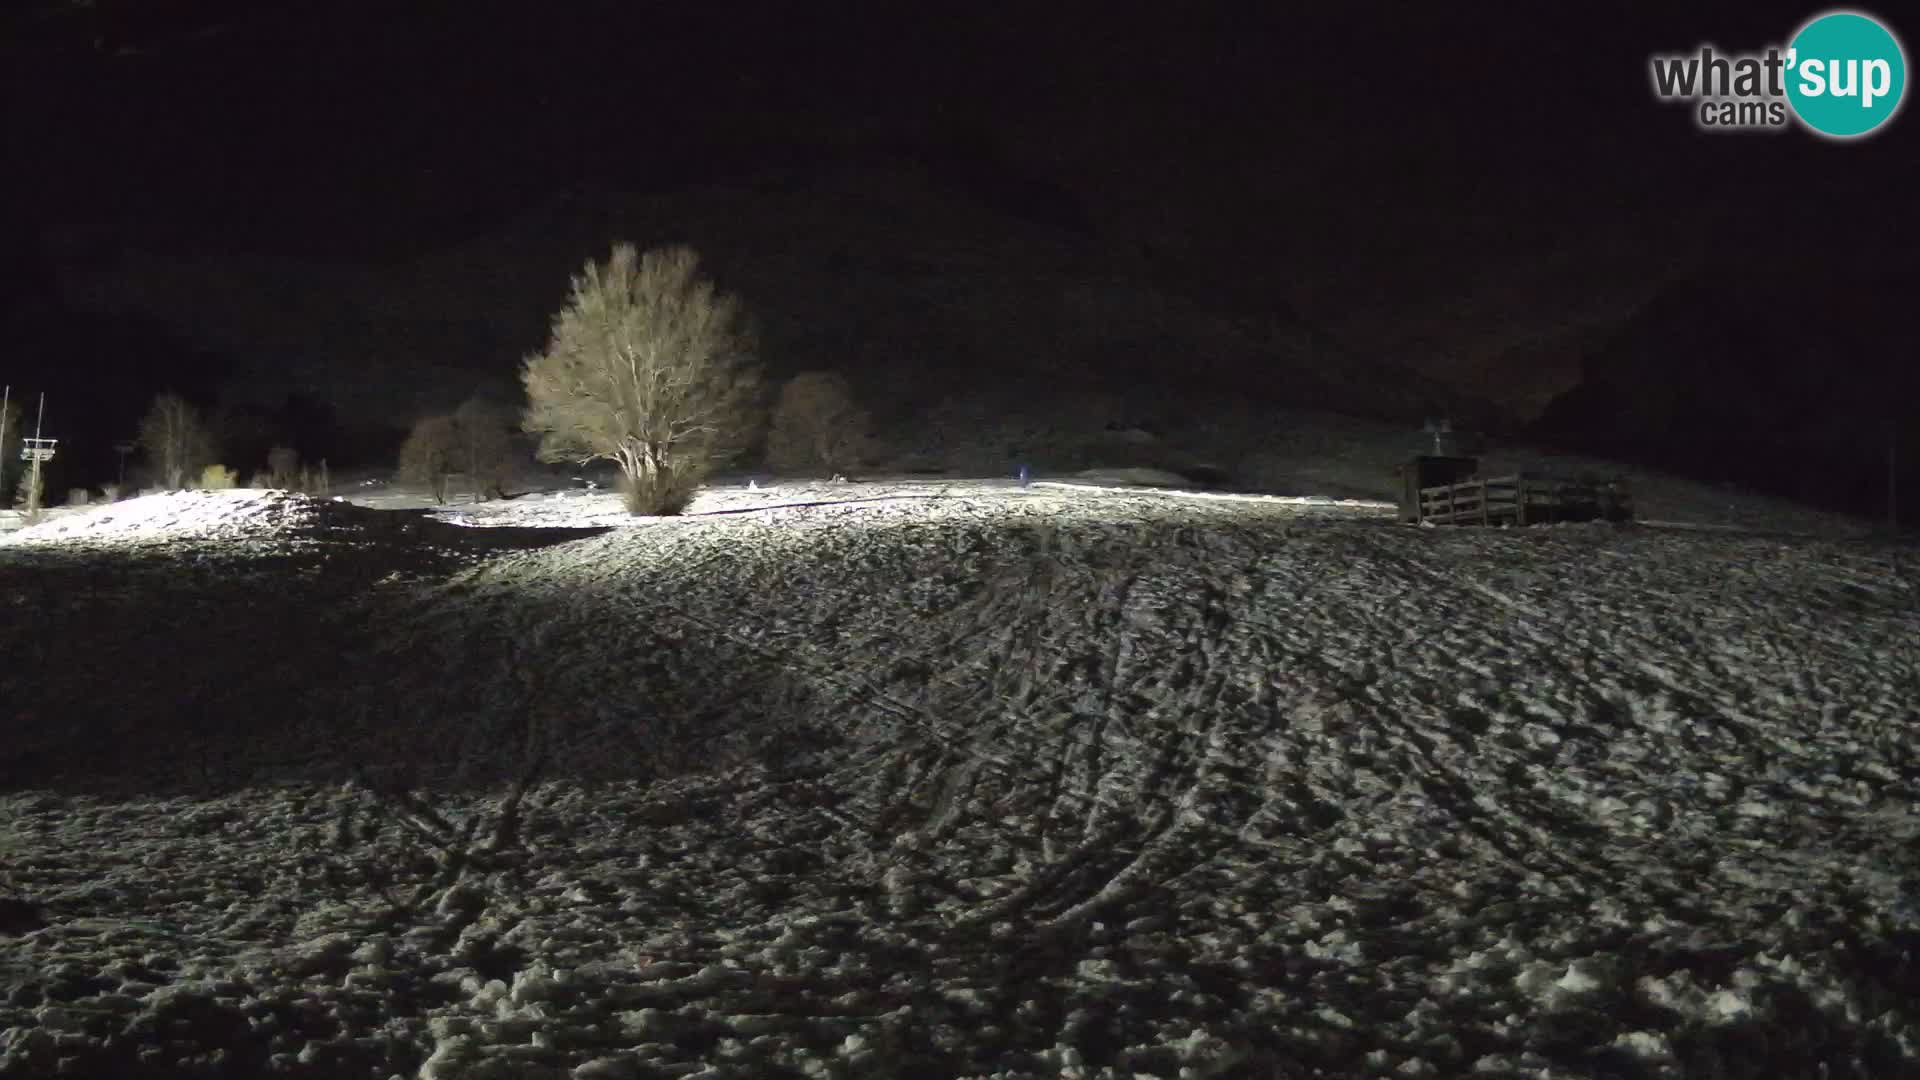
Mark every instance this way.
x=1846 y=74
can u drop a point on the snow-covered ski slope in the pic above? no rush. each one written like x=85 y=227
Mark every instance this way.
x=956 y=780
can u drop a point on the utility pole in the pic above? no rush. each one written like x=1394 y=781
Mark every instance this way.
x=36 y=450
x=33 y=491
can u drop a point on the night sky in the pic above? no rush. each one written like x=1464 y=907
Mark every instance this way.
x=1479 y=208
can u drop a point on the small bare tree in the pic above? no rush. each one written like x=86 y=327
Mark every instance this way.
x=486 y=446
x=31 y=493
x=429 y=454
x=817 y=425
x=177 y=442
x=650 y=368
x=283 y=466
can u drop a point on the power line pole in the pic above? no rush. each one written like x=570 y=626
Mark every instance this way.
x=33 y=491
x=6 y=399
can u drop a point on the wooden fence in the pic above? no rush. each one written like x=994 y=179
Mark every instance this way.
x=1524 y=499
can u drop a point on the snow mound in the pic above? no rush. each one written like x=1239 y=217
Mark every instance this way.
x=208 y=515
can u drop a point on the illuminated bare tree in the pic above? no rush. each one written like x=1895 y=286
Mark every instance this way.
x=175 y=439
x=650 y=368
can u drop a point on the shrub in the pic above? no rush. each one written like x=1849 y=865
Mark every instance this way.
x=109 y=493
x=31 y=490
x=485 y=431
x=261 y=478
x=78 y=497
x=649 y=368
x=218 y=478
x=817 y=426
x=176 y=441
x=427 y=457
x=283 y=466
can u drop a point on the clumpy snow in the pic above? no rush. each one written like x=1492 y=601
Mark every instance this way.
x=969 y=779
x=178 y=515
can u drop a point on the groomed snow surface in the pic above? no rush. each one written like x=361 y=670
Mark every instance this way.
x=850 y=780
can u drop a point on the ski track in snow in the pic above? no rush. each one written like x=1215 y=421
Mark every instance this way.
x=955 y=780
